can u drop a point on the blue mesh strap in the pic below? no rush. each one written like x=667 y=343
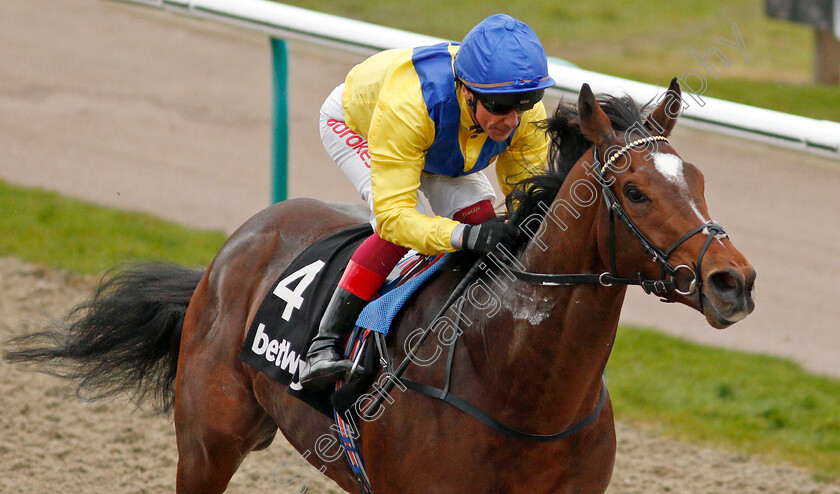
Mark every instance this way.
x=379 y=314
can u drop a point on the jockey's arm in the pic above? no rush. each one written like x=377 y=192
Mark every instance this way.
x=400 y=133
x=527 y=153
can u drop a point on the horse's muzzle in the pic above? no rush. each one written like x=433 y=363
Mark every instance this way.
x=728 y=295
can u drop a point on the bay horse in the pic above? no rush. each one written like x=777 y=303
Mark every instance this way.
x=614 y=195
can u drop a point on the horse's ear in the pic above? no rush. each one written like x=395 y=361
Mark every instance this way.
x=664 y=117
x=594 y=123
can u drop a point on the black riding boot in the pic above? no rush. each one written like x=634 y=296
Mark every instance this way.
x=325 y=357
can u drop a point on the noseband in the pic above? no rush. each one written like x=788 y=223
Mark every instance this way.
x=660 y=287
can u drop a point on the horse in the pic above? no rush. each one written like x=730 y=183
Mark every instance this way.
x=614 y=194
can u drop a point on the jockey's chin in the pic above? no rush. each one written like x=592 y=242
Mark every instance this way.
x=499 y=132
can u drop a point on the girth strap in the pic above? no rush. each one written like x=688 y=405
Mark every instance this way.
x=497 y=426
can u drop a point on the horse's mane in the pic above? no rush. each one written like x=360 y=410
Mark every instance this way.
x=567 y=144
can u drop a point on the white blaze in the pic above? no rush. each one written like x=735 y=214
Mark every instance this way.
x=671 y=167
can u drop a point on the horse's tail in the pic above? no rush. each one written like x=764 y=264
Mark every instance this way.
x=125 y=338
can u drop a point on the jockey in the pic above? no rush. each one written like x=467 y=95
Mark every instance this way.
x=430 y=119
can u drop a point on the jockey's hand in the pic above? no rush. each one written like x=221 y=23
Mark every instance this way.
x=488 y=236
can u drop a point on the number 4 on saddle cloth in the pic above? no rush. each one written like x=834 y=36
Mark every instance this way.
x=288 y=317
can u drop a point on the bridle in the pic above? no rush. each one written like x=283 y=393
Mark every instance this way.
x=659 y=287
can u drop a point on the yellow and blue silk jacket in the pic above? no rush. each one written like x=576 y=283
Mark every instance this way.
x=405 y=103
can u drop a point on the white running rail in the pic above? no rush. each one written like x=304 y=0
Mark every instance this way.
x=820 y=137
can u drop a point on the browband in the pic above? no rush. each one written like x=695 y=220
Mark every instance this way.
x=623 y=150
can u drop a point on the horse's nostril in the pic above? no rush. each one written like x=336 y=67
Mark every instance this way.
x=724 y=282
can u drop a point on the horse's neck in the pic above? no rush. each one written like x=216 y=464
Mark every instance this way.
x=551 y=343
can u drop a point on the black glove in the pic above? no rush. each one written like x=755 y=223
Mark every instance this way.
x=488 y=236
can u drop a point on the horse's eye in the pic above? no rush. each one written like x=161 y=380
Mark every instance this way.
x=634 y=194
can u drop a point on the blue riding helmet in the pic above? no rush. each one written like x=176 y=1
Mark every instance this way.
x=503 y=63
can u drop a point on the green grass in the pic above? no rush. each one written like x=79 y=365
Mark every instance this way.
x=47 y=229
x=752 y=404
x=646 y=41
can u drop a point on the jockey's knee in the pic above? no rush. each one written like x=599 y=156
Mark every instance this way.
x=370 y=265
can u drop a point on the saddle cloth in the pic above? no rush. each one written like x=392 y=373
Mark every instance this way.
x=289 y=315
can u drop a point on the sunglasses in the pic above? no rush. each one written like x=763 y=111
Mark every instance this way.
x=504 y=103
